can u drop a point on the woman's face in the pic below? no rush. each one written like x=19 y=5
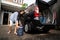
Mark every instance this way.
x=21 y=12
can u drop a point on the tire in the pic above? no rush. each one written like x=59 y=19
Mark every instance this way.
x=27 y=28
x=46 y=29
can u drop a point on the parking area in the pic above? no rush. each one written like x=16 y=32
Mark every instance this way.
x=52 y=35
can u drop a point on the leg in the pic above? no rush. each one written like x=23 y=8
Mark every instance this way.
x=16 y=27
x=10 y=24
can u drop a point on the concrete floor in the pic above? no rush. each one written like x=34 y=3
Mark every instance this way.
x=52 y=35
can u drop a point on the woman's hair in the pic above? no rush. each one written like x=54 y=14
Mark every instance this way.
x=21 y=10
x=20 y=15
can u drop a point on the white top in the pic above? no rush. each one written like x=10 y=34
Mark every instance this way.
x=13 y=16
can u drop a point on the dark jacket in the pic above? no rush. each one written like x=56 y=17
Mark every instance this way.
x=21 y=18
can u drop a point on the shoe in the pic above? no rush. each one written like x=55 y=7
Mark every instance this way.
x=9 y=32
x=15 y=33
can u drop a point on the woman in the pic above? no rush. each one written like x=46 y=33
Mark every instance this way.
x=15 y=17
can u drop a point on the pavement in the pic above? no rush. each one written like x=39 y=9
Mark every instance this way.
x=52 y=35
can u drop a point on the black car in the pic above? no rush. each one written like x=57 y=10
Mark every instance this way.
x=41 y=17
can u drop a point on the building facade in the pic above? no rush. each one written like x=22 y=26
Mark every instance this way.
x=7 y=8
x=0 y=5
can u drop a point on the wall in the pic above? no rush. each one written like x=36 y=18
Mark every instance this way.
x=0 y=5
x=1 y=17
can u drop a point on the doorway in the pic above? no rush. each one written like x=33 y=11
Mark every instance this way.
x=5 y=18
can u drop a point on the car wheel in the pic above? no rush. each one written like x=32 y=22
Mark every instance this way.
x=27 y=28
x=46 y=29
